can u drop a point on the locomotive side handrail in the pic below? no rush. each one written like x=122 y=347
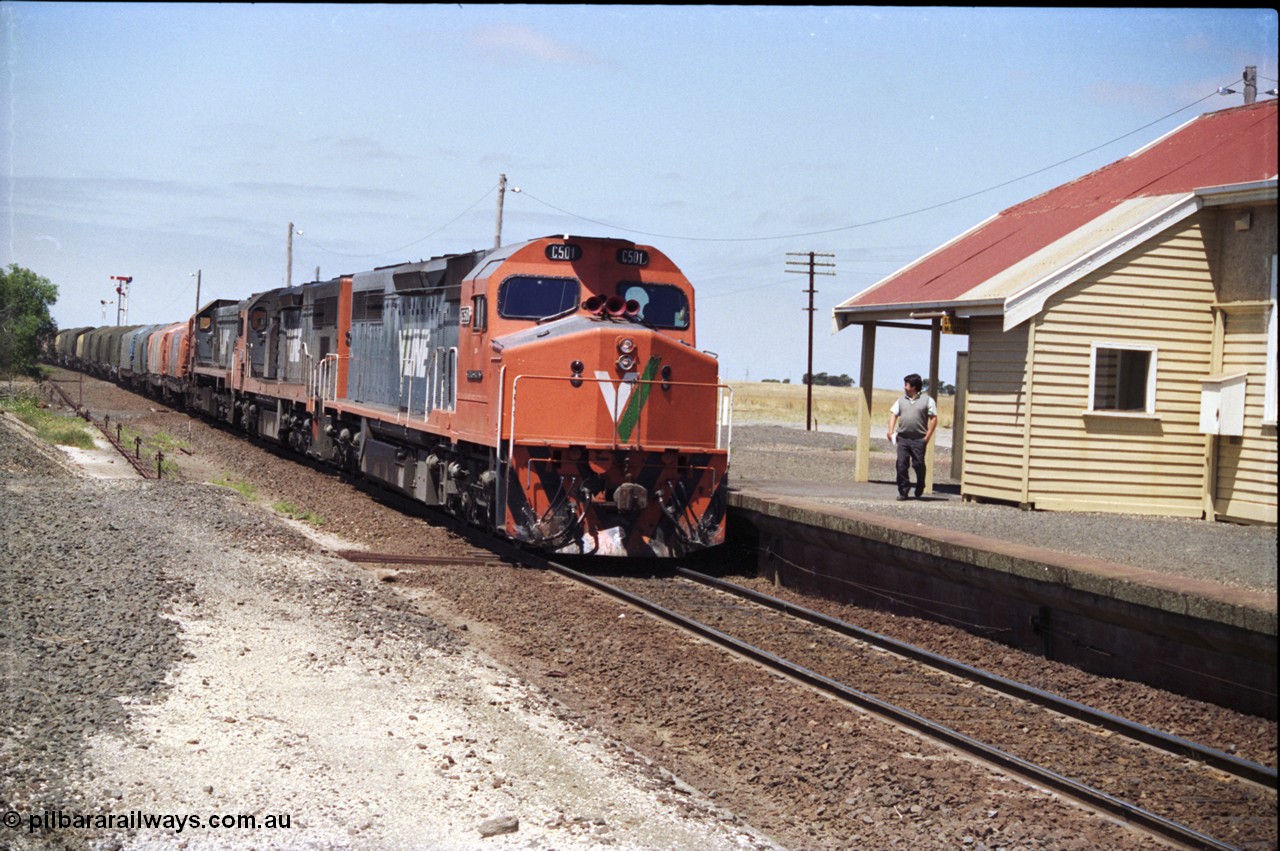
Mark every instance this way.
x=321 y=377
x=500 y=463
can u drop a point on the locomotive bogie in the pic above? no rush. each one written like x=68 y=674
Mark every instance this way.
x=615 y=502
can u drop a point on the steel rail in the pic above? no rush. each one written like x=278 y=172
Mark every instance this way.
x=1235 y=766
x=1035 y=774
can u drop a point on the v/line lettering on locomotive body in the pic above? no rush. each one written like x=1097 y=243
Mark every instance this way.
x=550 y=391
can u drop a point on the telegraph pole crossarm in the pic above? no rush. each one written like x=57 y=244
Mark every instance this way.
x=811 y=266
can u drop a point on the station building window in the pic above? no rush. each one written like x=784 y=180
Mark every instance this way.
x=1122 y=379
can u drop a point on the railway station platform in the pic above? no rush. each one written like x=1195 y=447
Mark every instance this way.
x=1185 y=605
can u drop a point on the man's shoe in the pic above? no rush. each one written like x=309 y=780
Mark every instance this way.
x=902 y=497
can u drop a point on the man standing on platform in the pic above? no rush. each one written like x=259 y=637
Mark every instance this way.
x=912 y=420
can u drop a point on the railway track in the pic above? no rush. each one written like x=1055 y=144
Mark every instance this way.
x=1182 y=792
x=1251 y=801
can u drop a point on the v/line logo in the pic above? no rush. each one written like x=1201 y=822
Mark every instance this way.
x=625 y=402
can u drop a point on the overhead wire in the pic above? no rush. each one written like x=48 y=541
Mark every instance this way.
x=930 y=208
x=473 y=205
x=869 y=223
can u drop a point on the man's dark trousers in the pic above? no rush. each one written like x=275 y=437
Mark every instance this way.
x=910 y=456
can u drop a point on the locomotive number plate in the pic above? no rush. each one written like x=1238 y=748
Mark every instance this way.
x=564 y=251
x=633 y=257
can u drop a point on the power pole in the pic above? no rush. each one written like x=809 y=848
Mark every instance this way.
x=813 y=265
x=1250 y=84
x=197 y=290
x=288 y=266
x=497 y=232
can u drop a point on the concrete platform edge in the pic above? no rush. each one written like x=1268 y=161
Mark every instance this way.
x=1254 y=611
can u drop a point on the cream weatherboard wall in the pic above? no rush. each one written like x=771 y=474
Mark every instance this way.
x=1245 y=480
x=995 y=427
x=1157 y=298
x=1030 y=436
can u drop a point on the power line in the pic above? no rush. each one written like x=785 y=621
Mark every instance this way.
x=475 y=204
x=916 y=212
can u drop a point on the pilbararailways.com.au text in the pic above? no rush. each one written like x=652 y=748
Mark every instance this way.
x=48 y=821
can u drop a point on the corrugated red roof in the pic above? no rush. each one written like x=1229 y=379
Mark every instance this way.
x=1217 y=149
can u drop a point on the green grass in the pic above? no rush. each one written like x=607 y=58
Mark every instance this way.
x=55 y=428
x=166 y=442
x=288 y=509
x=245 y=489
x=162 y=441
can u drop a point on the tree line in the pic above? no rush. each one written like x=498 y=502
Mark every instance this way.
x=821 y=379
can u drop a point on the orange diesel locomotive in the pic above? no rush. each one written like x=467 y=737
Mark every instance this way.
x=550 y=391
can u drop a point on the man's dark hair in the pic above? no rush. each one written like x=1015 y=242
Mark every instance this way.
x=914 y=381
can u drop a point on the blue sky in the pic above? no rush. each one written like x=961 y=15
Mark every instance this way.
x=155 y=140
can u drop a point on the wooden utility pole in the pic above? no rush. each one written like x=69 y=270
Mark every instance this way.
x=288 y=266
x=1250 y=84
x=812 y=265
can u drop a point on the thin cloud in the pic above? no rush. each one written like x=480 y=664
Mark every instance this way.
x=365 y=148
x=279 y=190
x=510 y=43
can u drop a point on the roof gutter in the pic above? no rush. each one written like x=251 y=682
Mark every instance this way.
x=1239 y=193
x=843 y=317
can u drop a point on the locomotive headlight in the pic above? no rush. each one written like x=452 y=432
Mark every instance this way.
x=626 y=345
x=626 y=363
x=576 y=369
x=666 y=378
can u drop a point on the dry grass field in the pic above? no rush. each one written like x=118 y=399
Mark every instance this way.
x=755 y=401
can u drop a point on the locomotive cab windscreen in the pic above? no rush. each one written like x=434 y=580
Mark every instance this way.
x=536 y=297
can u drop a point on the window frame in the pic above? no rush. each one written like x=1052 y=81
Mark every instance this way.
x=503 y=307
x=1149 y=407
